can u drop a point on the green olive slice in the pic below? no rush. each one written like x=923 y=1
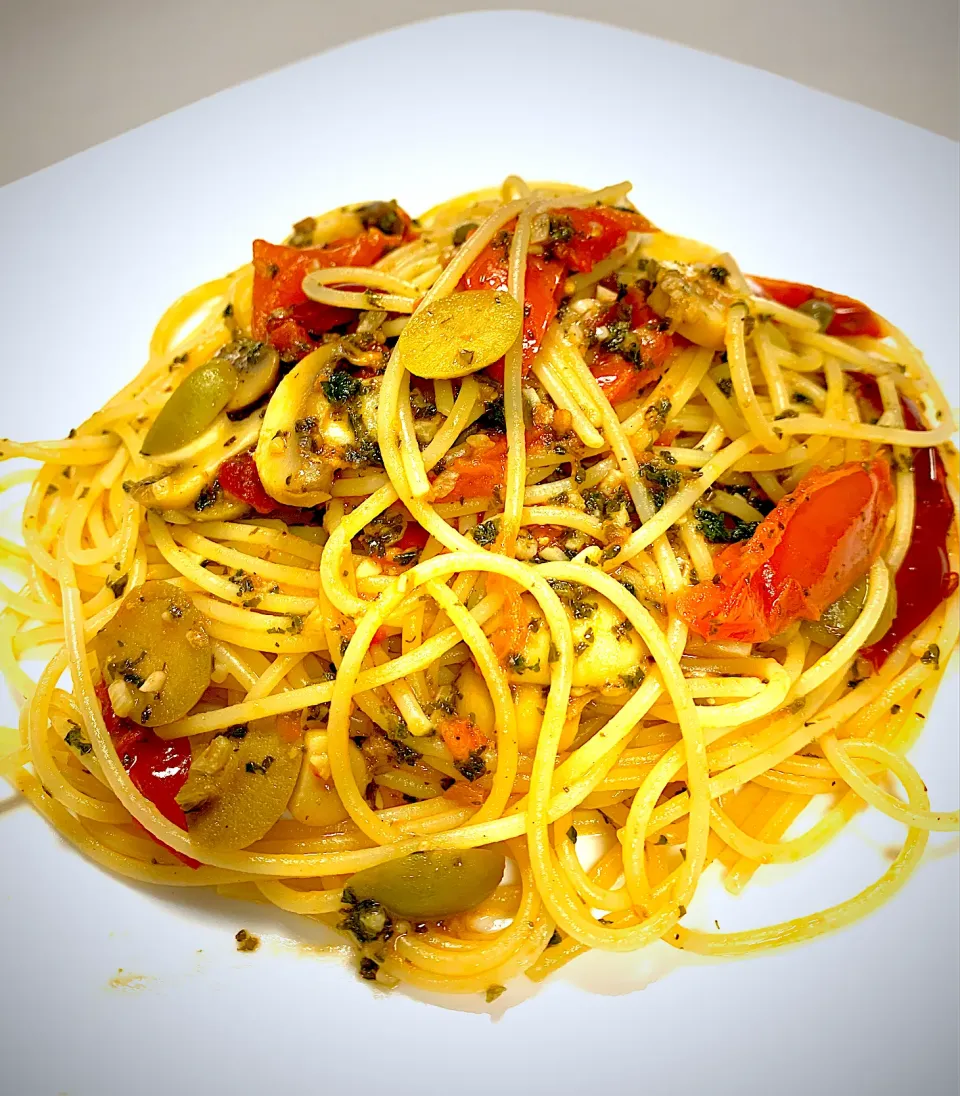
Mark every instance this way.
x=430 y=885
x=191 y=408
x=840 y=616
x=460 y=334
x=155 y=655
x=242 y=784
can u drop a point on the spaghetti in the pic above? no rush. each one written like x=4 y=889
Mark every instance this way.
x=420 y=549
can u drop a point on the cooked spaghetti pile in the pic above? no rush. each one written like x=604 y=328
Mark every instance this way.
x=420 y=550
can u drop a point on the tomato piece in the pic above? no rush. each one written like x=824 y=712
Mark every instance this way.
x=478 y=472
x=594 y=233
x=282 y=312
x=585 y=237
x=462 y=737
x=619 y=379
x=924 y=579
x=510 y=624
x=239 y=477
x=623 y=376
x=157 y=769
x=542 y=287
x=808 y=551
x=850 y=316
x=414 y=536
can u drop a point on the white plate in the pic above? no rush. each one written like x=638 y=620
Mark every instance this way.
x=797 y=185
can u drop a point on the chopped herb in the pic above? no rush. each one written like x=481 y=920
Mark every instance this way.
x=725 y=384
x=931 y=656
x=788 y=414
x=404 y=753
x=493 y=417
x=365 y=918
x=247 y=941
x=382 y=215
x=260 y=767
x=655 y=415
x=896 y=709
x=379 y=534
x=723 y=528
x=75 y=739
x=572 y=834
x=368 y=969
x=208 y=497
x=461 y=232
x=561 y=229
x=485 y=533
x=473 y=766
x=519 y=664
x=493 y=992
x=116 y=586
x=555 y=939
x=341 y=386
x=634 y=679
x=719 y=274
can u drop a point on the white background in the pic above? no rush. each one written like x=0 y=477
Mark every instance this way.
x=75 y=72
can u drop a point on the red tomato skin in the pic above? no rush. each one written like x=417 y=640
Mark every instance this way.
x=282 y=312
x=543 y=288
x=239 y=477
x=478 y=475
x=158 y=769
x=619 y=378
x=924 y=579
x=807 y=552
x=597 y=230
x=850 y=317
x=595 y=233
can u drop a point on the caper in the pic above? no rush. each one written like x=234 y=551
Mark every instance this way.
x=243 y=782
x=192 y=407
x=430 y=885
x=821 y=311
x=460 y=334
x=155 y=655
x=840 y=616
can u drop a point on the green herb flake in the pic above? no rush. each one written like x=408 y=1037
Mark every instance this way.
x=931 y=656
x=341 y=386
x=75 y=739
x=723 y=528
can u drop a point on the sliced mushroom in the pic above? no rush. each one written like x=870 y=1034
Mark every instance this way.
x=315 y=801
x=185 y=484
x=257 y=365
x=319 y=420
x=696 y=300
